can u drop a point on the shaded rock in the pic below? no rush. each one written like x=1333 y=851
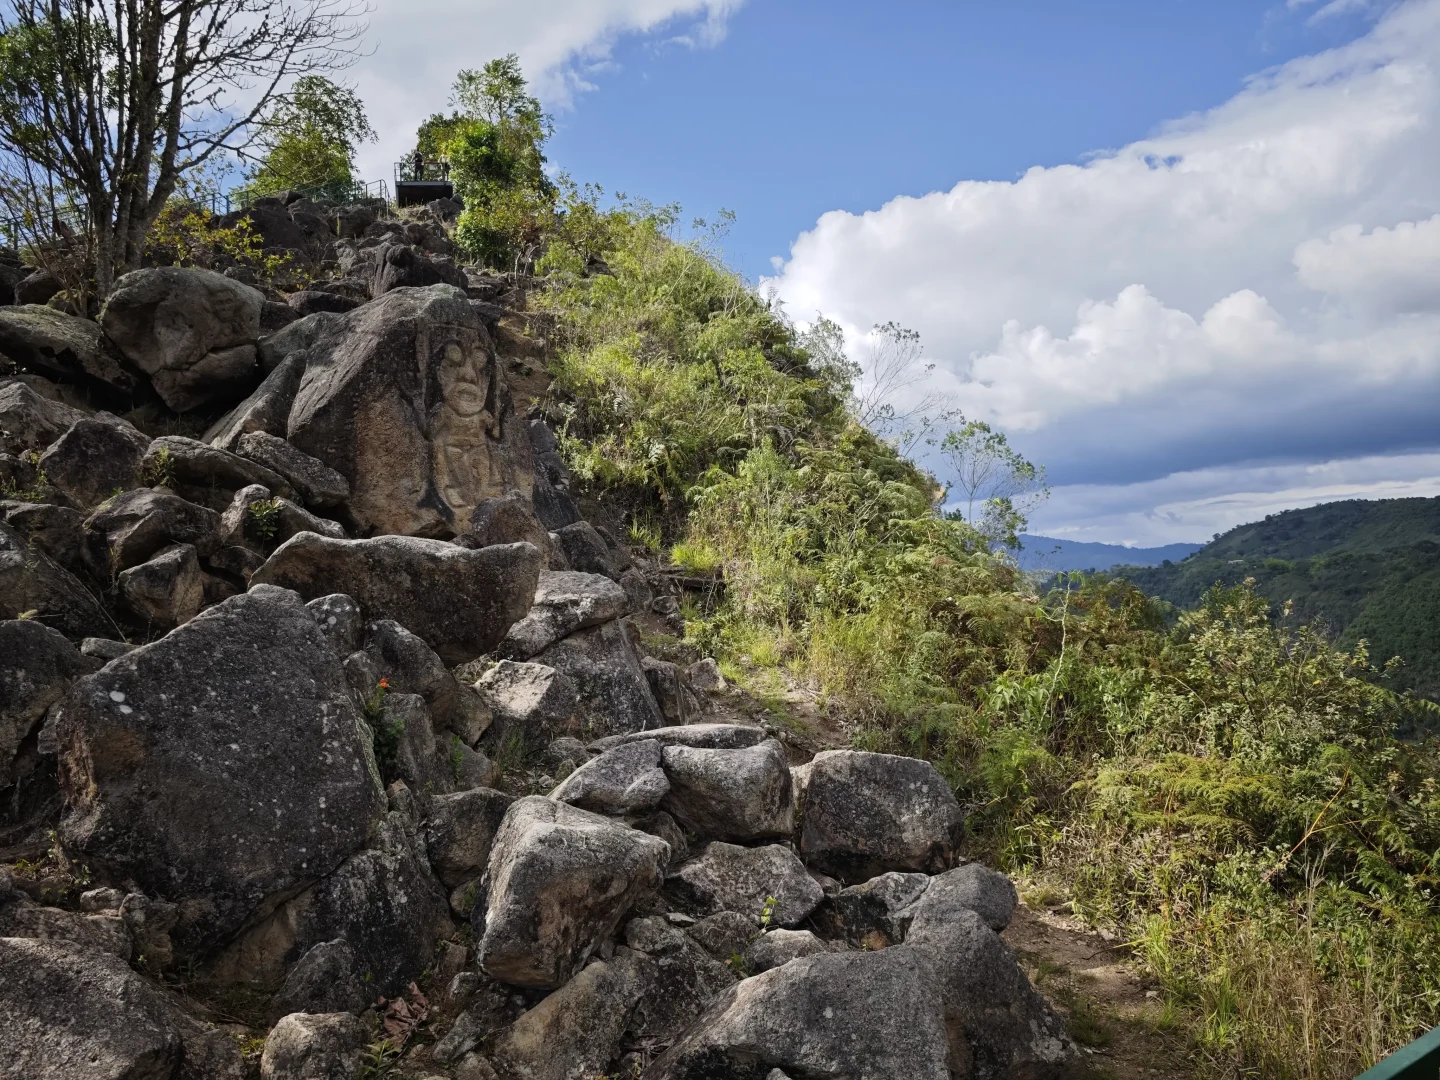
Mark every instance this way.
x=265 y=410
x=195 y=463
x=404 y=398
x=626 y=779
x=505 y=520
x=192 y=331
x=412 y=667
x=726 y=934
x=59 y=532
x=313 y=1046
x=134 y=526
x=561 y=879
x=37 y=287
x=735 y=795
x=460 y=602
x=292 y=520
x=219 y=766
x=30 y=581
x=238 y=562
x=704 y=676
x=971 y=887
x=586 y=551
x=390 y=266
x=491 y=1006
x=20 y=918
x=317 y=483
x=531 y=704
x=679 y=979
x=167 y=590
x=276 y=316
x=324 y=980
x=50 y=342
x=94 y=460
x=867 y=814
x=832 y=1015
x=460 y=830
x=338 y=617
x=667 y=683
x=104 y=649
x=309 y=301
x=296 y=338
x=872 y=914
x=614 y=695
x=711 y=736
x=778 y=947
x=725 y=877
x=565 y=601
x=29 y=421
x=658 y=823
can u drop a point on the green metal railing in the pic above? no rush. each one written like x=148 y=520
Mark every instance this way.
x=1418 y=1061
x=341 y=191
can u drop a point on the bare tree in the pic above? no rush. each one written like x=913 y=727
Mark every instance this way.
x=890 y=396
x=1000 y=486
x=106 y=104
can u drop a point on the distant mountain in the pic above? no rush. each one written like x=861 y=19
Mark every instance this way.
x=1051 y=553
x=1369 y=569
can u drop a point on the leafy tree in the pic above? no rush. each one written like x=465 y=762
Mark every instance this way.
x=310 y=138
x=107 y=107
x=990 y=473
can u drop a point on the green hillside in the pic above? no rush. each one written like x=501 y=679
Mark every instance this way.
x=1366 y=569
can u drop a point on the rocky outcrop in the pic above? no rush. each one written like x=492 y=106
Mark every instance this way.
x=51 y=343
x=37 y=666
x=137 y=524
x=565 y=601
x=94 y=460
x=460 y=602
x=737 y=795
x=34 y=585
x=768 y=881
x=614 y=695
x=623 y=780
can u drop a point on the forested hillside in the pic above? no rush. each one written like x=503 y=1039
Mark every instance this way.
x=1366 y=570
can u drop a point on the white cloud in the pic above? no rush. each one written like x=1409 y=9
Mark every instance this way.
x=1257 y=281
x=562 y=45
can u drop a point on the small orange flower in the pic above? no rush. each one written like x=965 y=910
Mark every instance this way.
x=384 y=684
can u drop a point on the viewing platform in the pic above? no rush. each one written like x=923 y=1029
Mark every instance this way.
x=416 y=186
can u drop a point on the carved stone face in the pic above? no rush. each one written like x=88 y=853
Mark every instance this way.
x=464 y=431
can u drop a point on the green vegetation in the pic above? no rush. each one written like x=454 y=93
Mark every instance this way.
x=309 y=140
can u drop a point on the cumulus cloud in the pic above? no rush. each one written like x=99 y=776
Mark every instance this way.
x=562 y=45
x=1253 y=282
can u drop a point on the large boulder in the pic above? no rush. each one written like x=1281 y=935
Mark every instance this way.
x=313 y=1046
x=59 y=532
x=872 y=914
x=615 y=697
x=32 y=582
x=755 y=882
x=460 y=830
x=624 y=780
x=389 y=266
x=137 y=524
x=405 y=399
x=565 y=601
x=460 y=602
x=221 y=766
x=94 y=460
x=37 y=666
x=192 y=331
x=560 y=881
x=265 y=410
x=532 y=704
x=505 y=520
x=317 y=483
x=412 y=667
x=49 y=342
x=680 y=979
x=166 y=590
x=735 y=795
x=777 y=947
x=866 y=814
x=191 y=463
x=31 y=421
x=971 y=887
x=832 y=1015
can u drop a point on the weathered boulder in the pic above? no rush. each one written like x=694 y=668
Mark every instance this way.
x=704 y=676
x=313 y=1046
x=59 y=532
x=735 y=795
x=508 y=519
x=531 y=704
x=624 y=780
x=971 y=887
x=679 y=979
x=30 y=581
x=565 y=601
x=460 y=602
x=220 y=766
x=309 y=301
x=725 y=877
x=560 y=881
x=135 y=525
x=295 y=339
x=867 y=814
x=326 y=979
x=192 y=331
x=317 y=483
x=266 y=409
x=388 y=266
x=614 y=694
x=777 y=947
x=872 y=914
x=22 y=918
x=94 y=460
x=37 y=666
x=191 y=462
x=339 y=619
x=711 y=736
x=833 y=1015
x=659 y=823
x=459 y=831
x=585 y=550
x=726 y=934
x=166 y=590
x=404 y=398
x=412 y=667
x=29 y=421
x=669 y=685
x=37 y=287
x=49 y=342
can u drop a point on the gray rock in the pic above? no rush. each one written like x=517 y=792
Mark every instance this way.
x=637 y=590
x=291 y=519
x=192 y=331
x=460 y=602
x=561 y=879
x=971 y=887
x=313 y=1046
x=104 y=649
x=668 y=684
x=236 y=561
x=220 y=766
x=626 y=779
x=405 y=399
x=778 y=947
x=704 y=676
x=419 y=758
x=317 y=483
x=491 y=1006
x=659 y=823
x=295 y=339
x=240 y=523
x=586 y=551
x=338 y=617
x=166 y=590
x=59 y=532
x=265 y=410
x=726 y=934
x=29 y=421
x=832 y=1015
x=867 y=814
x=37 y=666
x=614 y=695
x=324 y=980
x=531 y=704
x=30 y=581
x=136 y=525
x=679 y=980
x=49 y=342
x=276 y=316
x=309 y=301
x=37 y=287
x=93 y=460
x=388 y=266
x=460 y=830
x=725 y=877
x=711 y=736
x=505 y=520
x=871 y=915
x=565 y=601
x=200 y=465
x=20 y=918
x=735 y=795
x=412 y=667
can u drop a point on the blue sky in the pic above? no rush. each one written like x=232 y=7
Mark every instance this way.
x=1186 y=254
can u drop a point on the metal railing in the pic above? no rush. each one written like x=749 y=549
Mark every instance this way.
x=345 y=191
x=435 y=172
x=1418 y=1061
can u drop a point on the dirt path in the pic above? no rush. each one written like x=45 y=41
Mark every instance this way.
x=1115 y=1013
